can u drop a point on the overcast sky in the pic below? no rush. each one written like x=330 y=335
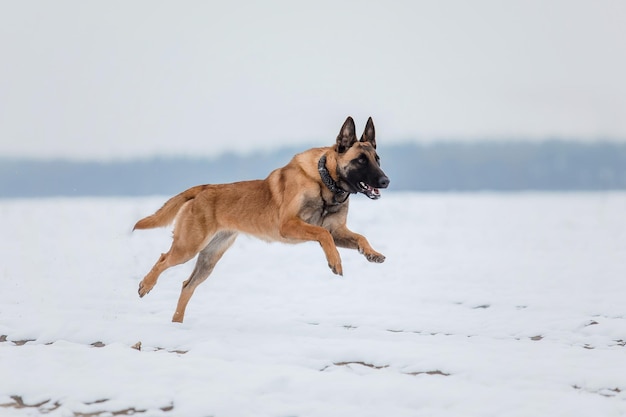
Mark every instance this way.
x=117 y=79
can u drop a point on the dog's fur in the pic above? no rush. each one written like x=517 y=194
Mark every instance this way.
x=293 y=204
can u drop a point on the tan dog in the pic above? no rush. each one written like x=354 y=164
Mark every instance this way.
x=306 y=200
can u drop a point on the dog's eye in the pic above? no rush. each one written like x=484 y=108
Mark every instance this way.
x=362 y=160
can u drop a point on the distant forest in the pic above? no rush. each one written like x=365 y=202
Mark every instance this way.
x=451 y=166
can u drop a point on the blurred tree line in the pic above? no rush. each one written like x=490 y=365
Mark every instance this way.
x=446 y=166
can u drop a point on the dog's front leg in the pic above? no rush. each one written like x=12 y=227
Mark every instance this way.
x=346 y=238
x=297 y=229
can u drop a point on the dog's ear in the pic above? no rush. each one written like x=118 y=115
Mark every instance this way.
x=347 y=136
x=369 y=134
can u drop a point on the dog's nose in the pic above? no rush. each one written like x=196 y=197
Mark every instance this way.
x=383 y=182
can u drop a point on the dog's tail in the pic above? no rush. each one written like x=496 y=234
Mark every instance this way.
x=166 y=214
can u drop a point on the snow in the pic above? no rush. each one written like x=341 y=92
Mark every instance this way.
x=487 y=305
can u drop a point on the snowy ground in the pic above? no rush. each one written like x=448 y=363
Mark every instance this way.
x=487 y=305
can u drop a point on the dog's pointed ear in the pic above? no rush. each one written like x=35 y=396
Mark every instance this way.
x=369 y=134
x=347 y=136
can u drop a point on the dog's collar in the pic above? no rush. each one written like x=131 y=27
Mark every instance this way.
x=330 y=183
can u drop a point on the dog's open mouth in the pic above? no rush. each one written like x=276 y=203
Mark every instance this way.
x=369 y=191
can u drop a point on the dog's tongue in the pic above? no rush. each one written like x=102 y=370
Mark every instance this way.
x=373 y=193
x=368 y=190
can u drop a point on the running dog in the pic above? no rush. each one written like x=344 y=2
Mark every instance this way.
x=306 y=200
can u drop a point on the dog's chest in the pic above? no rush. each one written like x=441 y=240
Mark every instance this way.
x=318 y=211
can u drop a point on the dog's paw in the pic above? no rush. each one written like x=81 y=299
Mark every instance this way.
x=337 y=269
x=376 y=257
x=143 y=289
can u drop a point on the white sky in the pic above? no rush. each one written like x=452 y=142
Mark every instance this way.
x=117 y=79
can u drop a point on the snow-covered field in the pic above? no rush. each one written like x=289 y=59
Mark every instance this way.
x=487 y=305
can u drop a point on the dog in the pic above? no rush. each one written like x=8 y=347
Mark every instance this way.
x=306 y=200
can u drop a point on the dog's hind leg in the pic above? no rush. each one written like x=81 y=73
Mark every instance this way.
x=166 y=260
x=190 y=236
x=207 y=258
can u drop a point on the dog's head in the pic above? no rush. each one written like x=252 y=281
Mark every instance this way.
x=358 y=165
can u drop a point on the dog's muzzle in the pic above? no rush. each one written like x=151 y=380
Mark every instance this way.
x=371 y=191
